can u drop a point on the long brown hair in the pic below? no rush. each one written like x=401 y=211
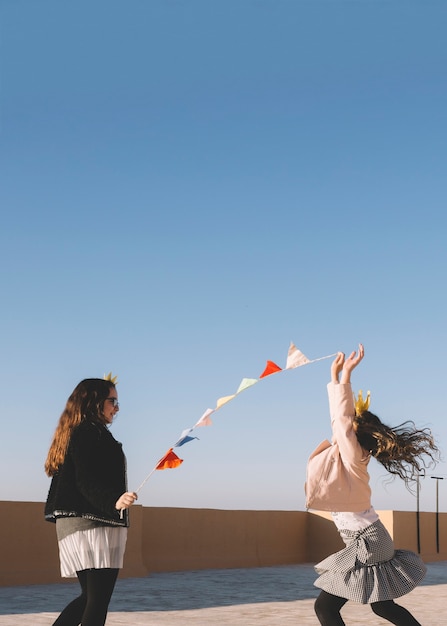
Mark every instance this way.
x=403 y=450
x=85 y=402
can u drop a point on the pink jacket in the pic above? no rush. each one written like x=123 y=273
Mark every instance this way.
x=337 y=474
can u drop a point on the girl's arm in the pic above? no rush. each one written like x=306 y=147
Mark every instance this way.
x=342 y=406
x=350 y=363
x=336 y=367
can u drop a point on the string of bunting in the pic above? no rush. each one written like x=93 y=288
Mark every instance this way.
x=295 y=358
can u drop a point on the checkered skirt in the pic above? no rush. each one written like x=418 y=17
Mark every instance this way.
x=369 y=569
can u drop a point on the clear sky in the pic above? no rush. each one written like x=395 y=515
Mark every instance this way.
x=189 y=186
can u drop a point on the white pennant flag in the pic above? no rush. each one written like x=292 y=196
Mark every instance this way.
x=295 y=358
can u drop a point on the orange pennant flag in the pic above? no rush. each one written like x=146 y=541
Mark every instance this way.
x=169 y=461
x=270 y=368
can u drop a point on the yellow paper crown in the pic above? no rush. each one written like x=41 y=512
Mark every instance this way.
x=361 y=404
x=110 y=378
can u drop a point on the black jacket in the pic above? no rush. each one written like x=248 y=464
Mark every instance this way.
x=91 y=479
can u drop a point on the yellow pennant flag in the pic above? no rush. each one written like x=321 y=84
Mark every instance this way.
x=224 y=400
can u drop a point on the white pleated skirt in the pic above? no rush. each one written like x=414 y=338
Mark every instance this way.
x=96 y=548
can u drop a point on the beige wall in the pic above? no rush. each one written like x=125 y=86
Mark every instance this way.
x=182 y=539
x=175 y=539
x=405 y=531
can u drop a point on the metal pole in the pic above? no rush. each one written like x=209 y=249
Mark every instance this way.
x=437 y=478
x=418 y=527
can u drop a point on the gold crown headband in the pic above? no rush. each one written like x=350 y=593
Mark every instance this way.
x=362 y=405
x=111 y=379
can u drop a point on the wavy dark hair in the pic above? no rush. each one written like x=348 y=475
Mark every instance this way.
x=85 y=402
x=403 y=450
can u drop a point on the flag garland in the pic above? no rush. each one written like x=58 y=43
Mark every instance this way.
x=295 y=358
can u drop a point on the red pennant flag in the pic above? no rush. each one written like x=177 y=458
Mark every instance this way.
x=169 y=461
x=270 y=368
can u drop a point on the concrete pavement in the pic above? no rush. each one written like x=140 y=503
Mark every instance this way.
x=266 y=596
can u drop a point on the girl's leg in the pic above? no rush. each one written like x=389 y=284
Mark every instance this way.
x=72 y=614
x=327 y=608
x=394 y=613
x=99 y=584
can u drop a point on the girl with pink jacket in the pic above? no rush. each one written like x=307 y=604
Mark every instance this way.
x=368 y=570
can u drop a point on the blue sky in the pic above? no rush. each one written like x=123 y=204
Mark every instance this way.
x=186 y=188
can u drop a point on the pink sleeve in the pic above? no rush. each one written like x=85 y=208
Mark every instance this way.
x=342 y=411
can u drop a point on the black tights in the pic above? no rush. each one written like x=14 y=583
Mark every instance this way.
x=90 y=608
x=327 y=608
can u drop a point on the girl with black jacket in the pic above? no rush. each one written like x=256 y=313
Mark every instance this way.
x=88 y=499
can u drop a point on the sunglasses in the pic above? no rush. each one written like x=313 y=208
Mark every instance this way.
x=114 y=401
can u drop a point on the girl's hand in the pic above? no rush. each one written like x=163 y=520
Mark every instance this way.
x=351 y=363
x=337 y=366
x=126 y=500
